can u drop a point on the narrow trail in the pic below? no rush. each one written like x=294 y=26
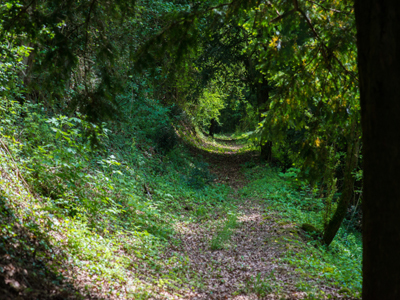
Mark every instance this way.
x=248 y=263
x=227 y=166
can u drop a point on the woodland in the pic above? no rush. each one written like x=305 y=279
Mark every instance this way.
x=243 y=149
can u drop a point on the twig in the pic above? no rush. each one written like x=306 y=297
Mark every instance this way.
x=280 y=17
x=277 y=12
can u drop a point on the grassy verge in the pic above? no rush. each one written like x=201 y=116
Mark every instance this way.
x=290 y=205
x=220 y=144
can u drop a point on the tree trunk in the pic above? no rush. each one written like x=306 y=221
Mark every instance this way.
x=211 y=130
x=378 y=37
x=262 y=102
x=353 y=148
x=266 y=151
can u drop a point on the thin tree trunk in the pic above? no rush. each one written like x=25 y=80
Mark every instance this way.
x=262 y=101
x=353 y=148
x=378 y=37
x=266 y=151
x=211 y=129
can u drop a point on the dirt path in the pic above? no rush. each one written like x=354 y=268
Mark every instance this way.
x=232 y=272
x=227 y=166
x=247 y=266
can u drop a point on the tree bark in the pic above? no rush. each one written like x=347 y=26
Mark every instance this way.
x=353 y=148
x=378 y=37
x=262 y=101
x=266 y=151
x=211 y=130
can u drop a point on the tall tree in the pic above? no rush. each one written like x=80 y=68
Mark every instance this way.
x=378 y=33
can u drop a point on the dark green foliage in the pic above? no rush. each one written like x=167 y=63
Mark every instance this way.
x=147 y=122
x=5 y=212
x=231 y=118
x=68 y=73
x=309 y=228
x=62 y=35
x=165 y=139
x=312 y=230
x=199 y=176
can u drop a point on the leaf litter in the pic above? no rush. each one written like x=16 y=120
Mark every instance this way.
x=249 y=266
x=244 y=265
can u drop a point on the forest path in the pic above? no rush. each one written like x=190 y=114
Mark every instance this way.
x=235 y=254
x=227 y=166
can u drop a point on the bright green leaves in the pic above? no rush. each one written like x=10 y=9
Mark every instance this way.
x=209 y=105
x=11 y=64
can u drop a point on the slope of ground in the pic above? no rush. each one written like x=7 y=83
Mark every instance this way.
x=233 y=239
x=240 y=254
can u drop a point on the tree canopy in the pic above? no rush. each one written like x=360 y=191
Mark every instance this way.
x=282 y=76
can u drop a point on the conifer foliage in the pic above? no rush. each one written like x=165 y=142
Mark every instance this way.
x=281 y=77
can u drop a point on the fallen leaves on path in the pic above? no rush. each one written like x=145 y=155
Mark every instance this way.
x=249 y=267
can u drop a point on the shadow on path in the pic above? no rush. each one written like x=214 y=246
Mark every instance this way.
x=227 y=166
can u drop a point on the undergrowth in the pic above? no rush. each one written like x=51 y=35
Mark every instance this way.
x=221 y=238
x=293 y=202
x=97 y=216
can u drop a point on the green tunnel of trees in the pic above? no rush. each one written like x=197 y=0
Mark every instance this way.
x=315 y=84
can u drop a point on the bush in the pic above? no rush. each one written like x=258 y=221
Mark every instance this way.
x=199 y=176
x=165 y=139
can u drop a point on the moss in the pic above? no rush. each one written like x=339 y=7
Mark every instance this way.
x=312 y=230
x=282 y=223
x=309 y=228
x=344 y=291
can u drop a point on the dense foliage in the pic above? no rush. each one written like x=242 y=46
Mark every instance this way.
x=102 y=104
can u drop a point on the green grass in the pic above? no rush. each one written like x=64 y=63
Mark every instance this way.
x=290 y=202
x=259 y=286
x=209 y=144
x=102 y=218
x=222 y=236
